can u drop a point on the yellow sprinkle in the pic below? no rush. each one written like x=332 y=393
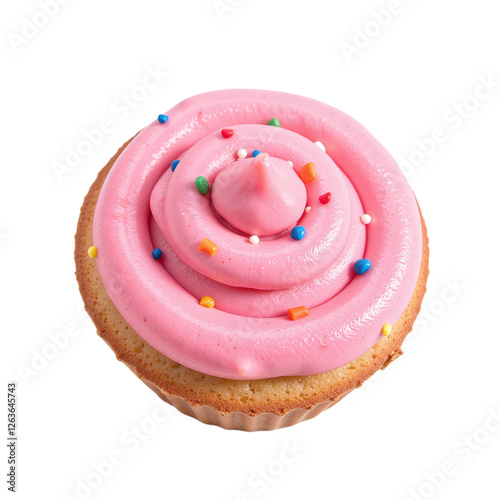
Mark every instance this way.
x=207 y=302
x=93 y=252
x=386 y=330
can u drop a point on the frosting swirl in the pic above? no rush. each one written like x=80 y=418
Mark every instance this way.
x=145 y=205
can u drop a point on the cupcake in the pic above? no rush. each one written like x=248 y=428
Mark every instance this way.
x=253 y=257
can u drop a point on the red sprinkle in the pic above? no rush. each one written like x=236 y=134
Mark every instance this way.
x=325 y=198
x=227 y=133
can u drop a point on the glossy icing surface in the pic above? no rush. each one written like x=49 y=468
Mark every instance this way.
x=247 y=335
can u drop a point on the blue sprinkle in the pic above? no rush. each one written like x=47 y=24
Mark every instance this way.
x=255 y=153
x=298 y=232
x=157 y=253
x=174 y=164
x=361 y=266
x=162 y=118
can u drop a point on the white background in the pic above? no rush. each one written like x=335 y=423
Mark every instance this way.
x=412 y=76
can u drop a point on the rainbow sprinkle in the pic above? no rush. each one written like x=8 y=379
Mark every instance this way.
x=386 y=330
x=207 y=302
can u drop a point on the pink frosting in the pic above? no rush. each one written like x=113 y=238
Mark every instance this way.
x=144 y=205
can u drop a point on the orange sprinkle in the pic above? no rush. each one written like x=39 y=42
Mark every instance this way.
x=298 y=312
x=207 y=302
x=308 y=173
x=208 y=247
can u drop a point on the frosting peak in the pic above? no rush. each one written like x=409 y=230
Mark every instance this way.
x=262 y=195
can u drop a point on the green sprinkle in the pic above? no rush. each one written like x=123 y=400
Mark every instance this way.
x=274 y=122
x=202 y=184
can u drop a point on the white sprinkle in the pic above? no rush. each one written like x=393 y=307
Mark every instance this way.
x=307 y=210
x=254 y=239
x=242 y=153
x=366 y=219
x=290 y=163
x=320 y=146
